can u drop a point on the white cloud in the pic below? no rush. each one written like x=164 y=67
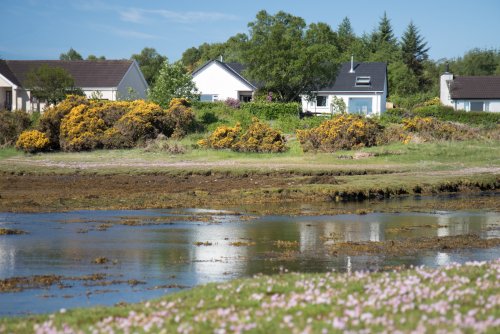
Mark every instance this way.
x=125 y=32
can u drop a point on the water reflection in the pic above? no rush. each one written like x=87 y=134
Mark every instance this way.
x=164 y=253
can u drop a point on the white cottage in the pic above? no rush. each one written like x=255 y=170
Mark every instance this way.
x=470 y=93
x=362 y=86
x=217 y=81
x=110 y=79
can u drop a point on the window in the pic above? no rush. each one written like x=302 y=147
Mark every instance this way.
x=321 y=101
x=477 y=106
x=245 y=98
x=209 y=97
x=360 y=105
x=363 y=81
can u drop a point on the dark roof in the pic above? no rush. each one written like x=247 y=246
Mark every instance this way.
x=101 y=73
x=235 y=69
x=475 y=87
x=346 y=82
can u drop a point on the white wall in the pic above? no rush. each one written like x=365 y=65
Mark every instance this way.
x=378 y=102
x=214 y=79
x=491 y=105
x=444 y=89
x=105 y=93
x=135 y=80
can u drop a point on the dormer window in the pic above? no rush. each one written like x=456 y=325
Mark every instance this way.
x=363 y=81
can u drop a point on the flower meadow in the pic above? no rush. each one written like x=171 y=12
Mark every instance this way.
x=451 y=299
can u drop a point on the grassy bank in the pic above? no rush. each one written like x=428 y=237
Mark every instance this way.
x=133 y=179
x=461 y=298
x=398 y=157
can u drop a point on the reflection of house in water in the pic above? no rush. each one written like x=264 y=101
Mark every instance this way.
x=219 y=260
x=313 y=234
x=7 y=259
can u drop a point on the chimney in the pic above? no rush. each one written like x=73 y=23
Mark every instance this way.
x=352 y=64
x=221 y=60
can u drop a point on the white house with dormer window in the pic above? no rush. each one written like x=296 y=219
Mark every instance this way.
x=362 y=86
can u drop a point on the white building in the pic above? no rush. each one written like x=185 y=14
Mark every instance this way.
x=362 y=86
x=217 y=81
x=108 y=79
x=473 y=93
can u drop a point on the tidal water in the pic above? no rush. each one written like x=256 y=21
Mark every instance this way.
x=158 y=249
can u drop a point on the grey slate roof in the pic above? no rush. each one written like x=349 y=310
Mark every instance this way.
x=346 y=82
x=235 y=69
x=477 y=87
x=101 y=73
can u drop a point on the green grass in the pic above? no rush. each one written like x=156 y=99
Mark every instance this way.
x=452 y=298
x=418 y=157
x=8 y=152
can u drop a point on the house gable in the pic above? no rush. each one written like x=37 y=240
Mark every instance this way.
x=135 y=80
x=222 y=80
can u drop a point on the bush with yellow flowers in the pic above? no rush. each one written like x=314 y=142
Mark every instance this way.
x=143 y=121
x=430 y=128
x=50 y=121
x=260 y=137
x=82 y=129
x=32 y=141
x=342 y=132
x=224 y=137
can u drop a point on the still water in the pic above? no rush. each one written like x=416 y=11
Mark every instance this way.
x=159 y=249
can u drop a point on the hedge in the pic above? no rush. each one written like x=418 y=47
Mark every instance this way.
x=271 y=111
x=469 y=117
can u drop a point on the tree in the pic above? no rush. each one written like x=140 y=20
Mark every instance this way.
x=385 y=32
x=414 y=49
x=51 y=84
x=230 y=51
x=70 y=55
x=479 y=62
x=173 y=81
x=150 y=63
x=346 y=36
x=402 y=80
x=289 y=58
x=94 y=57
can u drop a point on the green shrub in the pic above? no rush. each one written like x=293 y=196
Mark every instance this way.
x=179 y=119
x=395 y=115
x=343 y=132
x=488 y=119
x=289 y=124
x=12 y=123
x=32 y=141
x=271 y=111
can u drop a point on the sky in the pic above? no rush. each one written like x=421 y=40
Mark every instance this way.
x=43 y=29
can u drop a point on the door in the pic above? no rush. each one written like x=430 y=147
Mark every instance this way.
x=8 y=100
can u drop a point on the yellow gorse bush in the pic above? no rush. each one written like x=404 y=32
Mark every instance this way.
x=81 y=129
x=430 y=128
x=343 y=132
x=259 y=137
x=78 y=124
x=32 y=141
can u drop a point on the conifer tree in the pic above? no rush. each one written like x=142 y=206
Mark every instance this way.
x=414 y=49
